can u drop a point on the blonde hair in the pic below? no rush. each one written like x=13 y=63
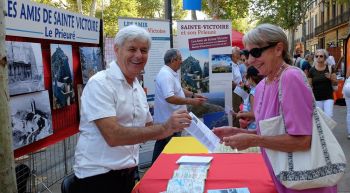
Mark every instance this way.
x=267 y=34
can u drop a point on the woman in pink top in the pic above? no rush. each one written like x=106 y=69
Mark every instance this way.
x=268 y=52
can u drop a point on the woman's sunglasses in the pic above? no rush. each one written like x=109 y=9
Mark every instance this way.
x=321 y=56
x=256 y=52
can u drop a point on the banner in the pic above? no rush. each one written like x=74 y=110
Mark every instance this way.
x=205 y=47
x=160 y=33
x=28 y=19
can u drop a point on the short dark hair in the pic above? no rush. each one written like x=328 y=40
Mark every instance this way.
x=245 y=53
x=253 y=73
x=170 y=55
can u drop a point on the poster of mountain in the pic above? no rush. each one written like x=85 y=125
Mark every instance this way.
x=195 y=70
x=25 y=67
x=91 y=62
x=62 y=75
x=31 y=118
x=206 y=48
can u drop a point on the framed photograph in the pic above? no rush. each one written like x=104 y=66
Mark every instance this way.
x=91 y=62
x=221 y=63
x=25 y=67
x=62 y=75
x=31 y=118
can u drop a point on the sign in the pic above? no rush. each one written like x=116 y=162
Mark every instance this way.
x=206 y=49
x=28 y=19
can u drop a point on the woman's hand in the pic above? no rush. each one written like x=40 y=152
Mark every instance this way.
x=241 y=141
x=226 y=131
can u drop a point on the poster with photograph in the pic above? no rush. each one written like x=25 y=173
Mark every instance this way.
x=221 y=63
x=25 y=67
x=91 y=62
x=206 y=49
x=212 y=111
x=195 y=70
x=30 y=118
x=62 y=75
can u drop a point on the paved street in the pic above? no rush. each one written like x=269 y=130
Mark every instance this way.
x=340 y=133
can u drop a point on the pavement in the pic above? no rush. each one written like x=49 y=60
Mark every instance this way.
x=340 y=133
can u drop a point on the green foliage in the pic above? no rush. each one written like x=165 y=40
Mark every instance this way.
x=243 y=25
x=120 y=8
x=178 y=12
x=286 y=13
x=149 y=8
x=226 y=9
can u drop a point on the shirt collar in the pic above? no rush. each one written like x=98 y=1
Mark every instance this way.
x=170 y=70
x=115 y=72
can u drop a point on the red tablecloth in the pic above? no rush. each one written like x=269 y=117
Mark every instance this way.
x=226 y=171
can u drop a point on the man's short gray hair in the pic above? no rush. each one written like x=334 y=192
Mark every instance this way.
x=131 y=32
x=170 y=55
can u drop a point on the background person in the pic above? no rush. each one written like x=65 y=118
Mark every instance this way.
x=268 y=48
x=321 y=81
x=306 y=64
x=246 y=116
x=170 y=96
x=115 y=118
x=346 y=93
x=236 y=80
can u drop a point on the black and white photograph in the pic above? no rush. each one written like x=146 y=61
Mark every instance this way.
x=25 y=67
x=62 y=75
x=31 y=118
x=91 y=62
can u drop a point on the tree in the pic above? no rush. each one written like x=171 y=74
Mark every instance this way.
x=235 y=10
x=150 y=8
x=288 y=14
x=7 y=167
x=226 y=9
x=121 y=8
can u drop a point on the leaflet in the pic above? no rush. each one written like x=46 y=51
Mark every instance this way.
x=202 y=133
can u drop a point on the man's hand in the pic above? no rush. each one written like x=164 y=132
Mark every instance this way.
x=196 y=101
x=179 y=120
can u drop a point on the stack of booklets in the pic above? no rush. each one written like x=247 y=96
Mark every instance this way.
x=190 y=176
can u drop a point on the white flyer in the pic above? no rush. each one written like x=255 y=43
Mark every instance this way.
x=202 y=133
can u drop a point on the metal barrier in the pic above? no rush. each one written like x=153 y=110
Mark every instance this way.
x=38 y=171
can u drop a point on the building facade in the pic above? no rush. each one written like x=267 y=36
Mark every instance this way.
x=326 y=26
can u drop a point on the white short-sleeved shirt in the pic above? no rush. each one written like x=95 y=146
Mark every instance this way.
x=330 y=60
x=167 y=85
x=107 y=94
x=236 y=74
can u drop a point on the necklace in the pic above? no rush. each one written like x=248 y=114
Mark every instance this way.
x=277 y=75
x=279 y=72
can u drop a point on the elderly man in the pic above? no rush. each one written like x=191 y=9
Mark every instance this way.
x=115 y=118
x=170 y=96
x=236 y=80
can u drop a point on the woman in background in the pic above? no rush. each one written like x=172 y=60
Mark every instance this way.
x=321 y=77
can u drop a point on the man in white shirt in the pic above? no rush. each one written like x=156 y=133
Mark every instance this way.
x=330 y=60
x=236 y=80
x=115 y=118
x=170 y=96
